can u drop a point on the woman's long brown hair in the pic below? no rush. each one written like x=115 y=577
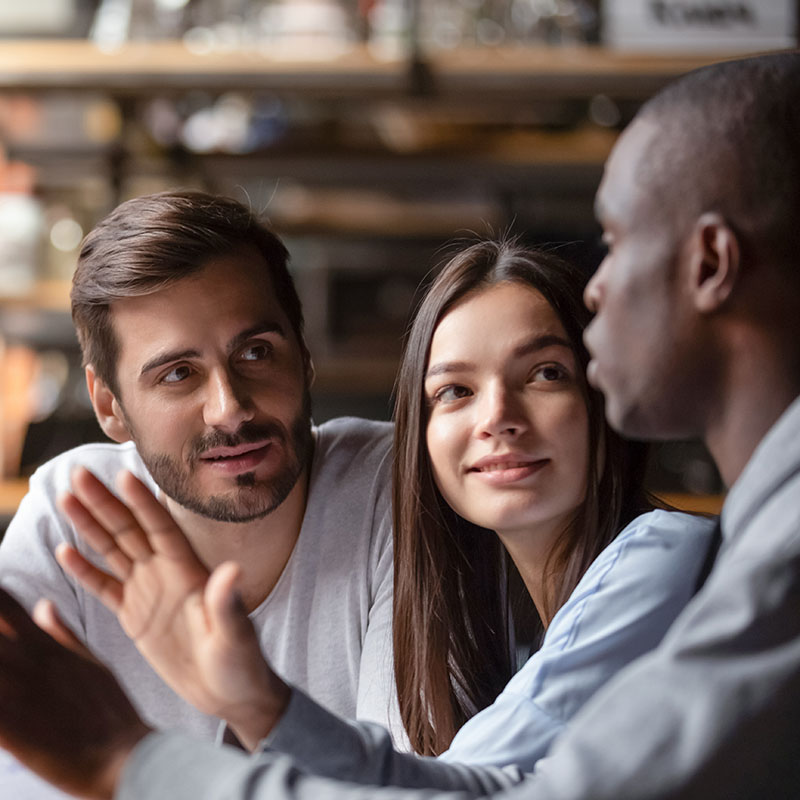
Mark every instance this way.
x=452 y=632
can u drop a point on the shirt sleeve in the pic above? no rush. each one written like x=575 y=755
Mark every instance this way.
x=620 y=610
x=324 y=744
x=28 y=567
x=171 y=765
x=377 y=698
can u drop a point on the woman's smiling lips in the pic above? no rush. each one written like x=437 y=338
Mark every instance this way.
x=508 y=468
x=235 y=460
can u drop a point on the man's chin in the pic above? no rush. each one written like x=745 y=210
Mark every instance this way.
x=243 y=496
x=242 y=505
x=634 y=422
x=243 y=499
x=621 y=418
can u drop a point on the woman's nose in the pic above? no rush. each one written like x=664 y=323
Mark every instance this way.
x=502 y=412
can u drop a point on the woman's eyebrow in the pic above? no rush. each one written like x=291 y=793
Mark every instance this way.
x=448 y=366
x=531 y=346
x=540 y=342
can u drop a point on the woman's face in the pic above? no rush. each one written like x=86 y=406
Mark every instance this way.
x=508 y=428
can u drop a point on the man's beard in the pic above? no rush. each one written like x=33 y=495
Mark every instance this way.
x=253 y=498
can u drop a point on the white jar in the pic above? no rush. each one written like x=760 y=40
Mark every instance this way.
x=21 y=225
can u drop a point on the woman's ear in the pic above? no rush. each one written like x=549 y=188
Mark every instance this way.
x=106 y=407
x=715 y=261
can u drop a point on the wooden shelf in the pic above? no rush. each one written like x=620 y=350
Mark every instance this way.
x=140 y=67
x=46 y=295
x=703 y=503
x=11 y=493
x=160 y=66
x=563 y=72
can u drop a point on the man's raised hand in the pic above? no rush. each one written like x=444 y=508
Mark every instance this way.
x=187 y=623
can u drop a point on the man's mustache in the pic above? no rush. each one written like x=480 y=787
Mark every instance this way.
x=248 y=433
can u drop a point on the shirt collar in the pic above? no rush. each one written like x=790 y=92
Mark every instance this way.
x=775 y=459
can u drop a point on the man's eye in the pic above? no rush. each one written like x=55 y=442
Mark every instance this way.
x=177 y=374
x=450 y=394
x=255 y=352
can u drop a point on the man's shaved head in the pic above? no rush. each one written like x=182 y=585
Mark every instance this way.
x=726 y=138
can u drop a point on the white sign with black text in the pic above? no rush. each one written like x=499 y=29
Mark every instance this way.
x=700 y=25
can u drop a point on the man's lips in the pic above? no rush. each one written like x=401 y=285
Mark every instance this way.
x=231 y=461
x=591 y=367
x=239 y=451
x=591 y=374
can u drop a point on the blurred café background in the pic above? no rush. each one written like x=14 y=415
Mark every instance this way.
x=370 y=133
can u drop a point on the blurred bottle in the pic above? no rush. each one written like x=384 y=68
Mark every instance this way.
x=21 y=226
x=18 y=372
x=119 y=21
x=389 y=27
x=447 y=24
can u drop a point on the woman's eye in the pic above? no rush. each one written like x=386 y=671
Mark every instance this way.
x=450 y=394
x=177 y=374
x=549 y=373
x=255 y=352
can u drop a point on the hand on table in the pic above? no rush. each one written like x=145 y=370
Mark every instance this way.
x=62 y=713
x=188 y=624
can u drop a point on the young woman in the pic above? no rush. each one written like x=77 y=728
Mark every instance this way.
x=502 y=457
x=498 y=430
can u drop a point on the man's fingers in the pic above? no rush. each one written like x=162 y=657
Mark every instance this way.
x=226 y=613
x=111 y=513
x=210 y=609
x=106 y=588
x=47 y=618
x=95 y=535
x=163 y=533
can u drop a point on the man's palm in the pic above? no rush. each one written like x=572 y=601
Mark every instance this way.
x=188 y=624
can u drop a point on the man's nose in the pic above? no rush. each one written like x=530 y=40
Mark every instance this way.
x=227 y=404
x=592 y=294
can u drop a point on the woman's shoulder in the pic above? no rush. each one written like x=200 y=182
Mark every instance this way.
x=664 y=525
x=666 y=540
x=623 y=604
x=648 y=572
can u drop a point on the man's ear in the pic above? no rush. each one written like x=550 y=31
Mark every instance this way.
x=715 y=261
x=106 y=407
